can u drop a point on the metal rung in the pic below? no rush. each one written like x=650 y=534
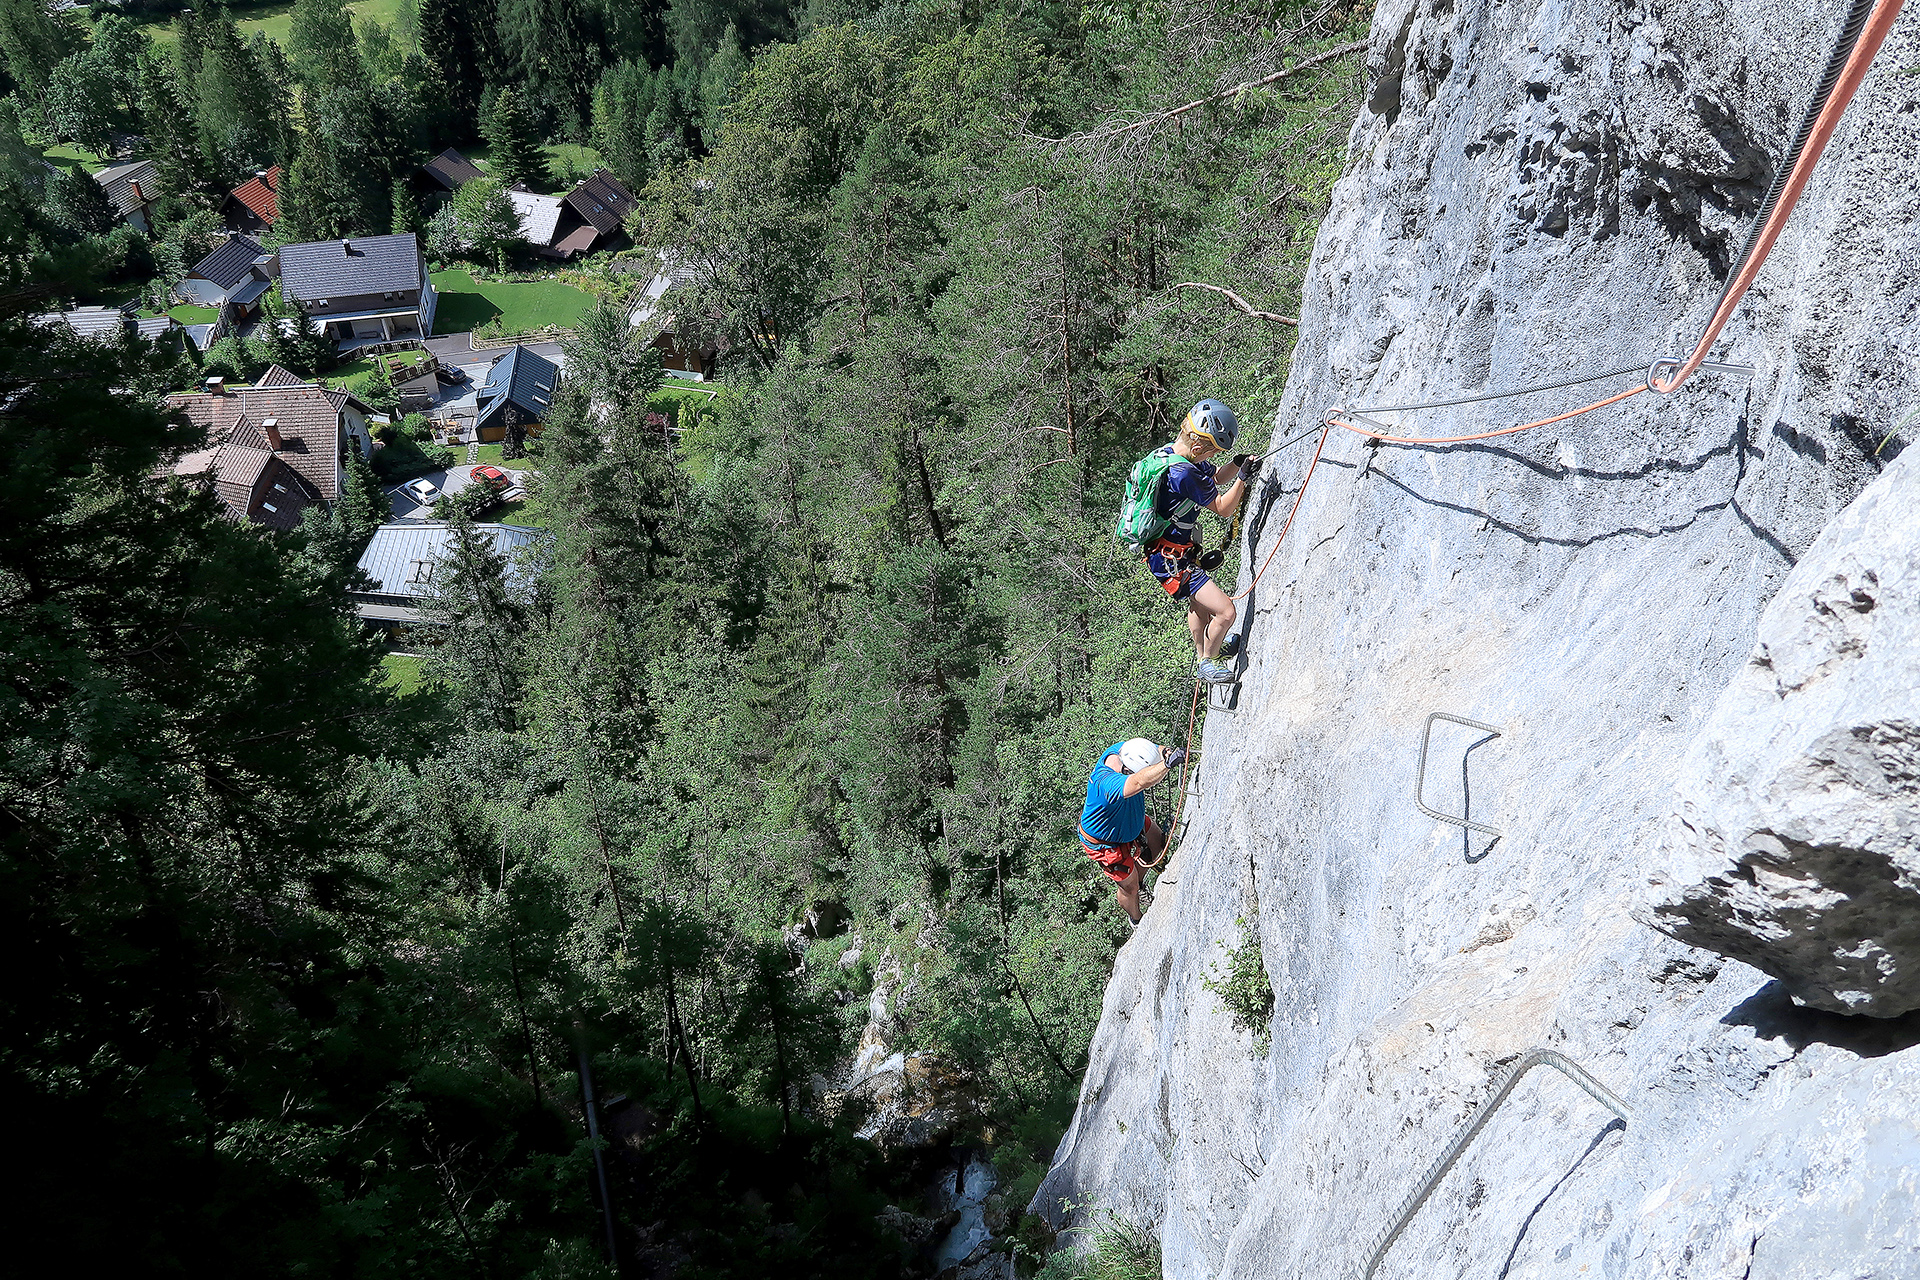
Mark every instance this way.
x=1420 y=778
x=1224 y=697
x=1540 y=1057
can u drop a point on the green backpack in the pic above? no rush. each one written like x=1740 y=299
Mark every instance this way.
x=1141 y=523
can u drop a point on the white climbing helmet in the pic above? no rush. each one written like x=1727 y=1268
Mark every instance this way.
x=1137 y=754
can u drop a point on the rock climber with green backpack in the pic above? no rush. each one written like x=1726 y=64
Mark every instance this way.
x=1166 y=493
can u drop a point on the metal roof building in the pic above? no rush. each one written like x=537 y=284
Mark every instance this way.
x=402 y=560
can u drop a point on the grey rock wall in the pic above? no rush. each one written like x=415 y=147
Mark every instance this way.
x=1797 y=845
x=1536 y=188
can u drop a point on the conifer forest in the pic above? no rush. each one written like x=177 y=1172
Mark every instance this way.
x=792 y=706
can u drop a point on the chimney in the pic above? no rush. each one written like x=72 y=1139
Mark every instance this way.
x=346 y=248
x=216 y=386
x=135 y=184
x=272 y=427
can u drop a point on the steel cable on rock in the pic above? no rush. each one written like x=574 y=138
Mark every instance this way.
x=1862 y=33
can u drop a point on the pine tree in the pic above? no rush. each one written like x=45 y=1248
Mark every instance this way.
x=171 y=137
x=322 y=47
x=309 y=207
x=515 y=155
x=457 y=41
x=406 y=210
x=621 y=104
x=77 y=202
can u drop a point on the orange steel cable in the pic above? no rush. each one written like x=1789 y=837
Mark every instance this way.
x=1334 y=421
x=1859 y=62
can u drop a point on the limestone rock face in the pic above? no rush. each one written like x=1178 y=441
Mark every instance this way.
x=1797 y=844
x=1537 y=189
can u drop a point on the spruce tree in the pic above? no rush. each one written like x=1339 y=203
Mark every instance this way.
x=515 y=155
x=75 y=201
x=309 y=203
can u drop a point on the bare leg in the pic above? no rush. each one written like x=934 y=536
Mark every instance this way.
x=1128 y=895
x=1214 y=602
x=1156 y=841
x=1197 y=627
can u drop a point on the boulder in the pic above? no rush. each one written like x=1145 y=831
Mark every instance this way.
x=1796 y=846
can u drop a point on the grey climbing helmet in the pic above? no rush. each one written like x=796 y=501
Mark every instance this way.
x=1214 y=422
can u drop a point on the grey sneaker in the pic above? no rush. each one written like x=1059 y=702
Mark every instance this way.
x=1209 y=671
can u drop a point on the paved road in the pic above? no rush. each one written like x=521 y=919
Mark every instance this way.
x=457 y=348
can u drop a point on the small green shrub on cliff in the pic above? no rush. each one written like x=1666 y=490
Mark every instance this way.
x=1121 y=1251
x=1244 y=989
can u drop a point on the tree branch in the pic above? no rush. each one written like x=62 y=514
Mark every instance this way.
x=1318 y=60
x=1239 y=303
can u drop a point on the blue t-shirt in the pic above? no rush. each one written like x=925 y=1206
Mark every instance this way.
x=1110 y=817
x=1194 y=482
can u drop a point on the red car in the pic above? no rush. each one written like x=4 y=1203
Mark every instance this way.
x=492 y=477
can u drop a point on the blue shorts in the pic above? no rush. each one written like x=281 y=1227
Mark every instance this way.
x=1173 y=565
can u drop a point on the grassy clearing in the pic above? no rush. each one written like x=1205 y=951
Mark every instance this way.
x=490 y=455
x=75 y=158
x=276 y=18
x=404 y=674
x=562 y=158
x=466 y=304
x=522 y=511
x=185 y=313
x=352 y=375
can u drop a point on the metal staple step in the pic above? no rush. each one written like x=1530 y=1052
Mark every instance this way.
x=1539 y=1057
x=1420 y=776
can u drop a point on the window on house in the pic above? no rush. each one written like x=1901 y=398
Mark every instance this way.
x=279 y=488
x=420 y=571
x=269 y=506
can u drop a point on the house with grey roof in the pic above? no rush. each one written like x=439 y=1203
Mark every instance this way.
x=131 y=189
x=236 y=275
x=447 y=172
x=516 y=396
x=367 y=288
x=404 y=561
x=273 y=449
x=593 y=215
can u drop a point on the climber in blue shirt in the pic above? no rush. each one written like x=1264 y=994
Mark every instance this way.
x=1114 y=826
x=1175 y=559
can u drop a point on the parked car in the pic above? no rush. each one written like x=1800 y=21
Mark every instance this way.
x=492 y=477
x=422 y=491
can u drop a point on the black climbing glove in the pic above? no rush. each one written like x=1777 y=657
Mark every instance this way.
x=1174 y=756
x=1250 y=467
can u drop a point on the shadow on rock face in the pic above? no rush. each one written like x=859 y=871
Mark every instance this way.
x=1773 y=1015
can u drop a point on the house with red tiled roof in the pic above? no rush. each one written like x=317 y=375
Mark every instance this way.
x=274 y=449
x=254 y=206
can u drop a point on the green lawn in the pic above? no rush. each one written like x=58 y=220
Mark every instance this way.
x=275 y=18
x=490 y=453
x=522 y=511
x=185 y=313
x=350 y=376
x=403 y=672
x=466 y=304
x=72 y=157
x=566 y=157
